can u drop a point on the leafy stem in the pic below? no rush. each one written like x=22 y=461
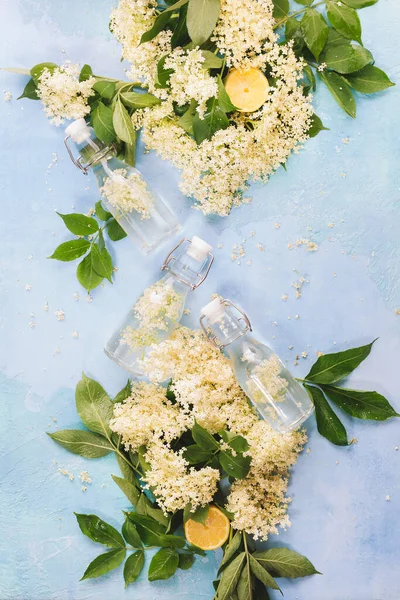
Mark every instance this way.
x=297 y=12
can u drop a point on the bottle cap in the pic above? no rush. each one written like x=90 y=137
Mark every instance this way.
x=198 y=248
x=213 y=309
x=78 y=131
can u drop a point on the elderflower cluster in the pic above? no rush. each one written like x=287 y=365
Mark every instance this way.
x=128 y=193
x=190 y=80
x=146 y=417
x=62 y=94
x=244 y=32
x=158 y=307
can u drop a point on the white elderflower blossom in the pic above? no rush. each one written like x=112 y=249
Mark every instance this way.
x=147 y=416
x=62 y=94
x=128 y=193
x=267 y=373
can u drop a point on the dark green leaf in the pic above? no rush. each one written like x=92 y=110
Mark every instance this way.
x=262 y=574
x=211 y=60
x=123 y=124
x=361 y=404
x=163 y=564
x=148 y=529
x=346 y=58
x=159 y=24
x=200 y=515
x=235 y=441
x=330 y=368
x=163 y=74
x=214 y=119
x=70 y=250
x=316 y=126
x=104 y=564
x=94 y=406
x=172 y=541
x=30 y=91
x=99 y=531
x=131 y=535
x=124 y=393
x=145 y=507
x=201 y=19
x=224 y=102
x=84 y=443
x=86 y=73
x=128 y=488
x=340 y=90
x=235 y=466
x=360 y=3
x=86 y=275
x=195 y=455
x=203 y=438
x=328 y=423
x=37 y=70
x=369 y=80
x=79 y=224
x=115 y=231
x=185 y=561
x=231 y=549
x=293 y=32
x=344 y=19
x=260 y=591
x=101 y=119
x=230 y=577
x=310 y=76
x=137 y=100
x=101 y=213
x=133 y=567
x=180 y=37
x=105 y=88
x=126 y=471
x=282 y=562
x=102 y=262
x=315 y=31
x=281 y=9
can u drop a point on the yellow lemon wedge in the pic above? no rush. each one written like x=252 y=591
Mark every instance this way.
x=248 y=90
x=213 y=534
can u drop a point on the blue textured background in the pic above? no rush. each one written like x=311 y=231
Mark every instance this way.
x=341 y=519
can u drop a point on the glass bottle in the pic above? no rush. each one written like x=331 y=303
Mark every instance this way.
x=160 y=308
x=272 y=389
x=126 y=195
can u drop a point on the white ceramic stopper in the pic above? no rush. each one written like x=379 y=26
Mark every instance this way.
x=78 y=130
x=198 y=248
x=213 y=309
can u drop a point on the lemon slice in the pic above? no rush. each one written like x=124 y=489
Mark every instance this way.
x=210 y=536
x=248 y=90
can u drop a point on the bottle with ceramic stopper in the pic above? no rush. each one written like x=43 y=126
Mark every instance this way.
x=271 y=388
x=160 y=308
x=141 y=213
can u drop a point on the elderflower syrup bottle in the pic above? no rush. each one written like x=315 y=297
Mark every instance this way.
x=160 y=308
x=272 y=389
x=140 y=212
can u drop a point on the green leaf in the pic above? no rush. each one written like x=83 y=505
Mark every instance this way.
x=104 y=564
x=344 y=19
x=281 y=9
x=346 y=58
x=126 y=471
x=30 y=91
x=123 y=124
x=214 y=119
x=185 y=561
x=84 y=443
x=70 y=250
x=163 y=74
x=99 y=531
x=163 y=564
x=124 y=393
x=328 y=423
x=94 y=406
x=200 y=515
x=133 y=567
x=201 y=19
x=245 y=584
x=231 y=549
x=128 y=488
x=330 y=368
x=235 y=441
x=260 y=591
x=282 y=562
x=340 y=90
x=359 y=3
x=102 y=262
x=211 y=60
x=203 y=438
x=101 y=119
x=369 y=80
x=131 y=535
x=149 y=529
x=195 y=455
x=37 y=70
x=86 y=275
x=172 y=541
x=316 y=126
x=115 y=231
x=86 y=73
x=79 y=224
x=101 y=213
x=137 y=100
x=293 y=32
x=161 y=21
x=180 y=37
x=230 y=577
x=130 y=154
x=105 y=88
x=262 y=574
x=304 y=2
x=235 y=466
x=224 y=102
x=186 y=120
x=361 y=404
x=315 y=31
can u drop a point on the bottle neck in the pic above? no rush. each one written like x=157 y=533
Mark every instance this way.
x=188 y=269
x=227 y=330
x=95 y=153
x=181 y=288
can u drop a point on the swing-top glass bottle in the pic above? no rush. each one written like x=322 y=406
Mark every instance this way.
x=141 y=213
x=272 y=389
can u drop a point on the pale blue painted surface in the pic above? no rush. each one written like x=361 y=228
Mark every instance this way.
x=341 y=519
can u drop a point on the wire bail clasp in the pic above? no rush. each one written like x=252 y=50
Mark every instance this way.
x=212 y=338
x=201 y=277
x=97 y=156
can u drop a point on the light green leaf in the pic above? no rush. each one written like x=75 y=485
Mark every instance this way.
x=346 y=58
x=101 y=119
x=330 y=368
x=105 y=88
x=235 y=466
x=211 y=60
x=262 y=574
x=224 y=102
x=130 y=154
x=235 y=441
x=340 y=90
x=128 y=488
x=94 y=406
x=328 y=423
x=37 y=70
x=133 y=567
x=359 y=3
x=84 y=443
x=137 y=100
x=344 y=19
x=316 y=126
x=124 y=393
x=230 y=577
x=282 y=562
x=245 y=584
x=315 y=31
x=102 y=262
x=115 y=231
x=86 y=275
x=203 y=438
x=231 y=549
x=304 y=2
x=99 y=531
x=104 y=564
x=281 y=9
x=86 y=73
x=186 y=120
x=361 y=404
x=200 y=515
x=369 y=80
x=30 y=91
x=131 y=535
x=123 y=124
x=201 y=19
x=70 y=250
x=214 y=119
x=79 y=224
x=161 y=21
x=127 y=471
x=101 y=212
x=163 y=564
